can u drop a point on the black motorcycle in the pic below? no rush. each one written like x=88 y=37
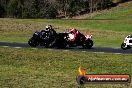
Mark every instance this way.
x=61 y=40
x=35 y=40
x=39 y=38
x=44 y=38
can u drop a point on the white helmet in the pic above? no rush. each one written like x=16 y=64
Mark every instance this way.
x=48 y=27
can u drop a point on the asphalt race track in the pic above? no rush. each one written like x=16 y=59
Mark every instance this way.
x=94 y=49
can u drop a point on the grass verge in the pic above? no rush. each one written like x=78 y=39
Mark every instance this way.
x=106 y=33
x=122 y=11
x=43 y=68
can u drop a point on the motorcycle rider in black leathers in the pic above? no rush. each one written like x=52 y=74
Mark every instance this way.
x=51 y=35
x=51 y=31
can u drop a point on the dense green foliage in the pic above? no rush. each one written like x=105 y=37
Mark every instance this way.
x=27 y=9
x=49 y=8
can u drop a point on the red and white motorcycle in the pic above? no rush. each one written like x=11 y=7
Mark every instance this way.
x=78 y=39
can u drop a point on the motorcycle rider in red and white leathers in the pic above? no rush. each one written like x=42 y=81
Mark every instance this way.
x=74 y=36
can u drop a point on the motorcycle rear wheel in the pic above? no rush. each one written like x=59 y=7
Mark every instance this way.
x=61 y=43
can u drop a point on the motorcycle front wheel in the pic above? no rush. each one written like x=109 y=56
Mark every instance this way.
x=123 y=46
x=88 y=44
x=33 y=43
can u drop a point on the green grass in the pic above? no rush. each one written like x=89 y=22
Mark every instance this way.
x=122 y=11
x=106 y=33
x=100 y=25
x=43 y=68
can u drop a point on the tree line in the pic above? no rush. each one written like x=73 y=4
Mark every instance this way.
x=50 y=8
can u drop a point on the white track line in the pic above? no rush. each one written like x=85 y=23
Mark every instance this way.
x=117 y=48
x=34 y=48
x=18 y=47
x=99 y=52
x=84 y=51
x=50 y=49
x=66 y=50
x=5 y=46
x=117 y=53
